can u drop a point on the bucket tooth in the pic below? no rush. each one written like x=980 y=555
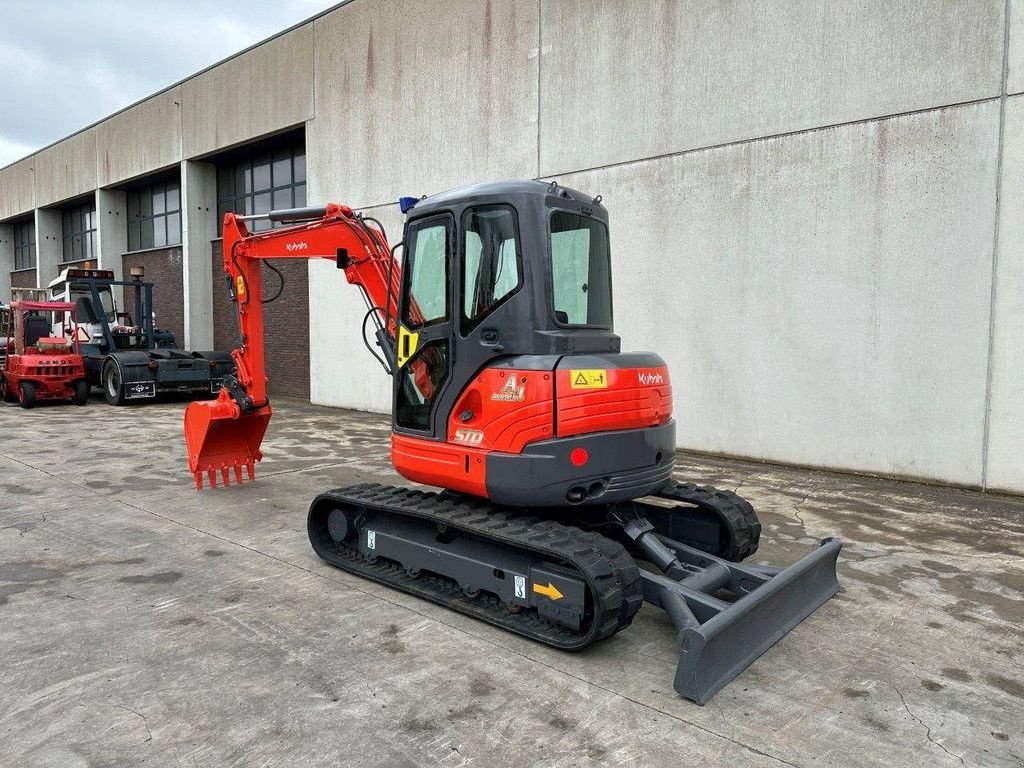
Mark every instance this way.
x=198 y=477
x=211 y=474
x=250 y=469
x=238 y=474
x=224 y=474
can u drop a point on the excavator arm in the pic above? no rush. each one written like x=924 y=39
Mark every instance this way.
x=225 y=434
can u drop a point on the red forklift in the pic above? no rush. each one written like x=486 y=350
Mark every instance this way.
x=35 y=365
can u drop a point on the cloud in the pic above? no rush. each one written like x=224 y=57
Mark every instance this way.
x=13 y=150
x=68 y=63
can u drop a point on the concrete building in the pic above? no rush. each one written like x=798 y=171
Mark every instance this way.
x=816 y=207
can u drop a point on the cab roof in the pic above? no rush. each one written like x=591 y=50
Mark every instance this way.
x=489 y=191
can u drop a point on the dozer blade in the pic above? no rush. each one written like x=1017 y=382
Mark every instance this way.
x=717 y=639
x=219 y=438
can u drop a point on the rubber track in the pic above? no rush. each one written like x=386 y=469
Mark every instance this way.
x=611 y=574
x=737 y=512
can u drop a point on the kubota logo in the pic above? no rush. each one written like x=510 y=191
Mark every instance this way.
x=647 y=379
x=296 y=247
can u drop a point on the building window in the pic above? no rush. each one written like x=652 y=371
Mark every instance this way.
x=79 y=231
x=261 y=183
x=25 y=245
x=154 y=216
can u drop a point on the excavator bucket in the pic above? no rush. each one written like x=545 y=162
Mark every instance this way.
x=221 y=439
x=718 y=639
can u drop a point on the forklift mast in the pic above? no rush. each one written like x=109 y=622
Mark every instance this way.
x=138 y=334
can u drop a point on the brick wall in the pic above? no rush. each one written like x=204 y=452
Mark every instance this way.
x=164 y=269
x=23 y=278
x=285 y=320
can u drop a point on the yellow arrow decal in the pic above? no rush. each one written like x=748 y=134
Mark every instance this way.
x=550 y=591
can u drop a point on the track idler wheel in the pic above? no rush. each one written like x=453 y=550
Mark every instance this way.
x=341 y=525
x=720 y=523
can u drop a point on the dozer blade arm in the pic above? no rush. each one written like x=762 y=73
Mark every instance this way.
x=225 y=434
x=717 y=639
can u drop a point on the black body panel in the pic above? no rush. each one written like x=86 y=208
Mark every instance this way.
x=622 y=465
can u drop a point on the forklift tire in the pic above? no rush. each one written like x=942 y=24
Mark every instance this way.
x=81 y=392
x=113 y=386
x=28 y=394
x=5 y=392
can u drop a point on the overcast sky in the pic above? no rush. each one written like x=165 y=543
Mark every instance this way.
x=67 y=63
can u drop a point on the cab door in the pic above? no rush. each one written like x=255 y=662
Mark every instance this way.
x=425 y=330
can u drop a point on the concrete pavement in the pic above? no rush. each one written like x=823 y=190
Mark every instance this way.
x=142 y=622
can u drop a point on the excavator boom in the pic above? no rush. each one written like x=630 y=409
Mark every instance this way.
x=224 y=435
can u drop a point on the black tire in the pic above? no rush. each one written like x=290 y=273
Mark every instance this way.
x=5 y=392
x=81 y=392
x=28 y=394
x=113 y=384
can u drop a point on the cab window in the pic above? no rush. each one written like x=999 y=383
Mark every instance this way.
x=491 y=264
x=581 y=276
x=425 y=289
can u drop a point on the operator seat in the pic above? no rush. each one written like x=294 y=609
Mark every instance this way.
x=36 y=327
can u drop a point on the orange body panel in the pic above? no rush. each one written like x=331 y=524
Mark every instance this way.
x=633 y=398
x=509 y=409
x=440 y=464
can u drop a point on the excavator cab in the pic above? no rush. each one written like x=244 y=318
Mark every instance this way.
x=509 y=382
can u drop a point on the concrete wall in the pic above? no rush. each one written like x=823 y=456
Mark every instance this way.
x=815 y=205
x=49 y=244
x=17 y=190
x=65 y=170
x=141 y=140
x=198 y=228
x=801 y=289
x=344 y=373
x=264 y=90
x=112 y=229
x=1006 y=425
x=623 y=81
x=6 y=261
x=803 y=202
x=413 y=103
x=1015 y=52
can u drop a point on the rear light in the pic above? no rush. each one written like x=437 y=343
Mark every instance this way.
x=579 y=457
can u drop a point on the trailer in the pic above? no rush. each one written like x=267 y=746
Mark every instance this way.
x=125 y=353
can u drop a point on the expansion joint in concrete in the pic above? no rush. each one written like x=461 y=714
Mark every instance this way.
x=769 y=137
x=993 y=294
x=540 y=72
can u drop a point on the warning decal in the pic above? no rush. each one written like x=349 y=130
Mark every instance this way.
x=588 y=379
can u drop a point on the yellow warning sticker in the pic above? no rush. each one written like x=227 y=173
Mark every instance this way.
x=586 y=379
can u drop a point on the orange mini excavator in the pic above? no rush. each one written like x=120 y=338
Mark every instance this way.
x=559 y=515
